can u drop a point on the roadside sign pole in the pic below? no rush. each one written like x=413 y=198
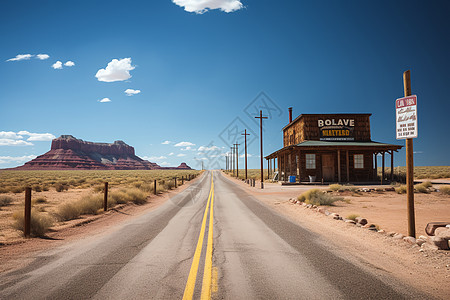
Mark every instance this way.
x=409 y=166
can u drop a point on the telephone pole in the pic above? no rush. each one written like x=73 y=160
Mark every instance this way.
x=232 y=159
x=245 y=139
x=261 y=138
x=237 y=159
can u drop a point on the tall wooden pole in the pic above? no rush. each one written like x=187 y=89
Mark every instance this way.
x=237 y=159
x=261 y=146
x=245 y=142
x=27 y=213
x=232 y=159
x=409 y=166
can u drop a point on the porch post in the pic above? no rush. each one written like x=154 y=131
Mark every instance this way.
x=392 y=165
x=382 y=169
x=376 y=167
x=348 y=166
x=339 y=164
x=299 y=166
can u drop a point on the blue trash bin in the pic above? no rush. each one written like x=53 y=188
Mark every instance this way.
x=292 y=179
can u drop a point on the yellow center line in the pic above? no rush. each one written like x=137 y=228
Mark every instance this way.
x=190 y=285
x=206 y=285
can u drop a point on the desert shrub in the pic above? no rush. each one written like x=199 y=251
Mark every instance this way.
x=3 y=190
x=17 y=189
x=40 y=200
x=147 y=187
x=427 y=184
x=67 y=211
x=352 y=217
x=118 y=197
x=45 y=188
x=318 y=197
x=401 y=189
x=60 y=187
x=421 y=188
x=90 y=204
x=39 y=223
x=136 y=196
x=335 y=187
x=445 y=189
x=99 y=188
x=37 y=188
x=5 y=200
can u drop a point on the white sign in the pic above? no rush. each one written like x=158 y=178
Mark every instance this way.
x=406 y=117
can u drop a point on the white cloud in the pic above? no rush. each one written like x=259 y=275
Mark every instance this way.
x=10 y=135
x=166 y=142
x=11 y=142
x=243 y=155
x=181 y=155
x=150 y=158
x=164 y=163
x=203 y=148
x=184 y=144
x=104 y=100
x=38 y=137
x=131 y=92
x=21 y=57
x=202 y=6
x=42 y=56
x=69 y=63
x=186 y=149
x=57 y=65
x=16 y=159
x=171 y=153
x=117 y=70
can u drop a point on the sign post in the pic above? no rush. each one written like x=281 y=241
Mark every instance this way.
x=406 y=128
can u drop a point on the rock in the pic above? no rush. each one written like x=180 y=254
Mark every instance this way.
x=327 y=213
x=361 y=221
x=409 y=239
x=429 y=246
x=372 y=229
x=368 y=225
x=391 y=233
x=420 y=241
x=321 y=210
x=443 y=232
x=70 y=153
x=439 y=242
x=349 y=221
x=422 y=237
x=398 y=236
x=390 y=189
x=314 y=206
x=381 y=231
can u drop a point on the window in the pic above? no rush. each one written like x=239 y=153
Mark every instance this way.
x=310 y=161
x=359 y=161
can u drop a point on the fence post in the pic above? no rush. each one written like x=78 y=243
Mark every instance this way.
x=175 y=182
x=27 y=215
x=182 y=180
x=154 y=191
x=105 y=198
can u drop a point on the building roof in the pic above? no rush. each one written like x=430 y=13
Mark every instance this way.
x=295 y=120
x=338 y=145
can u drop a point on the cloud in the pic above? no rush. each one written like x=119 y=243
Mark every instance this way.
x=243 y=155
x=57 y=65
x=116 y=70
x=150 y=158
x=21 y=57
x=181 y=155
x=131 y=92
x=187 y=148
x=184 y=144
x=42 y=56
x=10 y=135
x=202 y=6
x=171 y=153
x=11 y=142
x=69 y=63
x=37 y=137
x=104 y=100
x=166 y=142
x=16 y=159
x=164 y=163
x=204 y=149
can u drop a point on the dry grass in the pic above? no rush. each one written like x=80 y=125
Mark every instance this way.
x=430 y=172
x=39 y=225
x=445 y=189
x=251 y=174
x=318 y=197
x=401 y=189
x=5 y=200
x=352 y=217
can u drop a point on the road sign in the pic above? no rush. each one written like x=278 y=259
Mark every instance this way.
x=406 y=117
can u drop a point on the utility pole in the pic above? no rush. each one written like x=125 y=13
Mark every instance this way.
x=245 y=139
x=237 y=159
x=261 y=138
x=409 y=166
x=232 y=159
x=226 y=163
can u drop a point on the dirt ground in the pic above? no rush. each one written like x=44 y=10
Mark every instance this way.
x=428 y=271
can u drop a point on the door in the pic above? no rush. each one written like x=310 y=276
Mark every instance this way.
x=328 y=167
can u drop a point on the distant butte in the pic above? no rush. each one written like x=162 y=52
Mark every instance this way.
x=70 y=153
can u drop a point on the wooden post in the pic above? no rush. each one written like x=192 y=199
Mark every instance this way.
x=27 y=213
x=245 y=141
x=182 y=180
x=376 y=167
x=261 y=138
x=382 y=168
x=392 y=165
x=339 y=164
x=154 y=190
x=237 y=160
x=348 y=166
x=175 y=179
x=105 y=198
x=409 y=166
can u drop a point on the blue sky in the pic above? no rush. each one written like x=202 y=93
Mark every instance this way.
x=203 y=72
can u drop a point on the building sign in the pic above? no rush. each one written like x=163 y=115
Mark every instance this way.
x=336 y=129
x=406 y=117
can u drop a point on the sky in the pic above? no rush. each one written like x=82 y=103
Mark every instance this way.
x=180 y=80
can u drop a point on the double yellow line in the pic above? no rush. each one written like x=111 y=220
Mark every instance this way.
x=207 y=273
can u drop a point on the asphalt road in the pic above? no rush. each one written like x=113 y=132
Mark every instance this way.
x=245 y=251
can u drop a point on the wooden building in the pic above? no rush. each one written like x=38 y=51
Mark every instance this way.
x=330 y=148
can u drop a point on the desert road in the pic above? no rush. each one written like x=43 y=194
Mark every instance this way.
x=212 y=240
